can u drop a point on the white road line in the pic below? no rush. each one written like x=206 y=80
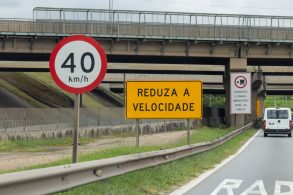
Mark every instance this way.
x=206 y=174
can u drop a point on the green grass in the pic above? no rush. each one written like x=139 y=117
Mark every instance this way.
x=278 y=101
x=37 y=145
x=29 y=86
x=165 y=177
x=88 y=100
x=214 y=100
x=12 y=89
x=114 y=96
x=207 y=134
x=200 y=135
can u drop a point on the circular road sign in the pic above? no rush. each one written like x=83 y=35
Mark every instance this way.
x=78 y=64
x=240 y=82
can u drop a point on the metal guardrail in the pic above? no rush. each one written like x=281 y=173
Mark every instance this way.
x=60 y=178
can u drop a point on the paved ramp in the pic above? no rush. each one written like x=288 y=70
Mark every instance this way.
x=264 y=168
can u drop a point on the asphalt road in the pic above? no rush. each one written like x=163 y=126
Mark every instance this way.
x=8 y=100
x=265 y=167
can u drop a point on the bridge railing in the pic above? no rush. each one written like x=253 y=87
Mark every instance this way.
x=156 y=25
x=159 y=31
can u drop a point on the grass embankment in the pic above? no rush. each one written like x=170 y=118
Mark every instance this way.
x=39 y=145
x=89 y=101
x=30 y=86
x=37 y=90
x=107 y=98
x=163 y=178
x=12 y=89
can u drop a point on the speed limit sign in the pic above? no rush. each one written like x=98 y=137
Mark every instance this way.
x=78 y=64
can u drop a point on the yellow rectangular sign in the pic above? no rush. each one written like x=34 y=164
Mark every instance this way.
x=163 y=99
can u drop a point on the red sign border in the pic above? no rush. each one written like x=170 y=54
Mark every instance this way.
x=237 y=85
x=101 y=75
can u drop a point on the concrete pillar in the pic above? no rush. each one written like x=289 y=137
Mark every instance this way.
x=235 y=65
x=257 y=95
x=240 y=120
x=254 y=96
x=263 y=94
x=262 y=105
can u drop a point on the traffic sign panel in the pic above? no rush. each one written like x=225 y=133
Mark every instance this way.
x=78 y=64
x=163 y=99
x=240 y=93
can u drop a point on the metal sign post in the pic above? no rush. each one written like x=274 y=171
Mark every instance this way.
x=76 y=127
x=78 y=64
x=188 y=131
x=137 y=132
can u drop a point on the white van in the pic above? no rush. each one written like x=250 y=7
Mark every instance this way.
x=277 y=121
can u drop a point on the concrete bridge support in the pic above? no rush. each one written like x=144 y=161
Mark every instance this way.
x=235 y=65
x=257 y=93
x=257 y=96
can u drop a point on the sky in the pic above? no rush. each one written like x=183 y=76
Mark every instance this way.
x=23 y=8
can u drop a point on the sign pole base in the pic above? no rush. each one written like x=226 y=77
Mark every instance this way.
x=76 y=127
x=188 y=131
x=137 y=132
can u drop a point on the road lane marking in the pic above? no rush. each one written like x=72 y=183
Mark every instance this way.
x=257 y=188
x=278 y=187
x=206 y=174
x=228 y=185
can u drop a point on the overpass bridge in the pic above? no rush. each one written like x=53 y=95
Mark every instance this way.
x=211 y=75
x=214 y=88
x=158 y=34
x=234 y=42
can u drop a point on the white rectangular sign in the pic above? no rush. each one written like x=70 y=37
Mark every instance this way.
x=240 y=94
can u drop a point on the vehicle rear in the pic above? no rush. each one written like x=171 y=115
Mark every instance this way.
x=277 y=121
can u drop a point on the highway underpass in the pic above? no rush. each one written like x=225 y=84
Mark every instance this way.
x=141 y=49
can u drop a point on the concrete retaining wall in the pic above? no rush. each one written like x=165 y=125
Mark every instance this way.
x=94 y=131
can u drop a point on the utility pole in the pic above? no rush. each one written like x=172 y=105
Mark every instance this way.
x=110 y=4
x=110 y=9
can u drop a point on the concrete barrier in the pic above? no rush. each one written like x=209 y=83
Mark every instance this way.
x=93 y=131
